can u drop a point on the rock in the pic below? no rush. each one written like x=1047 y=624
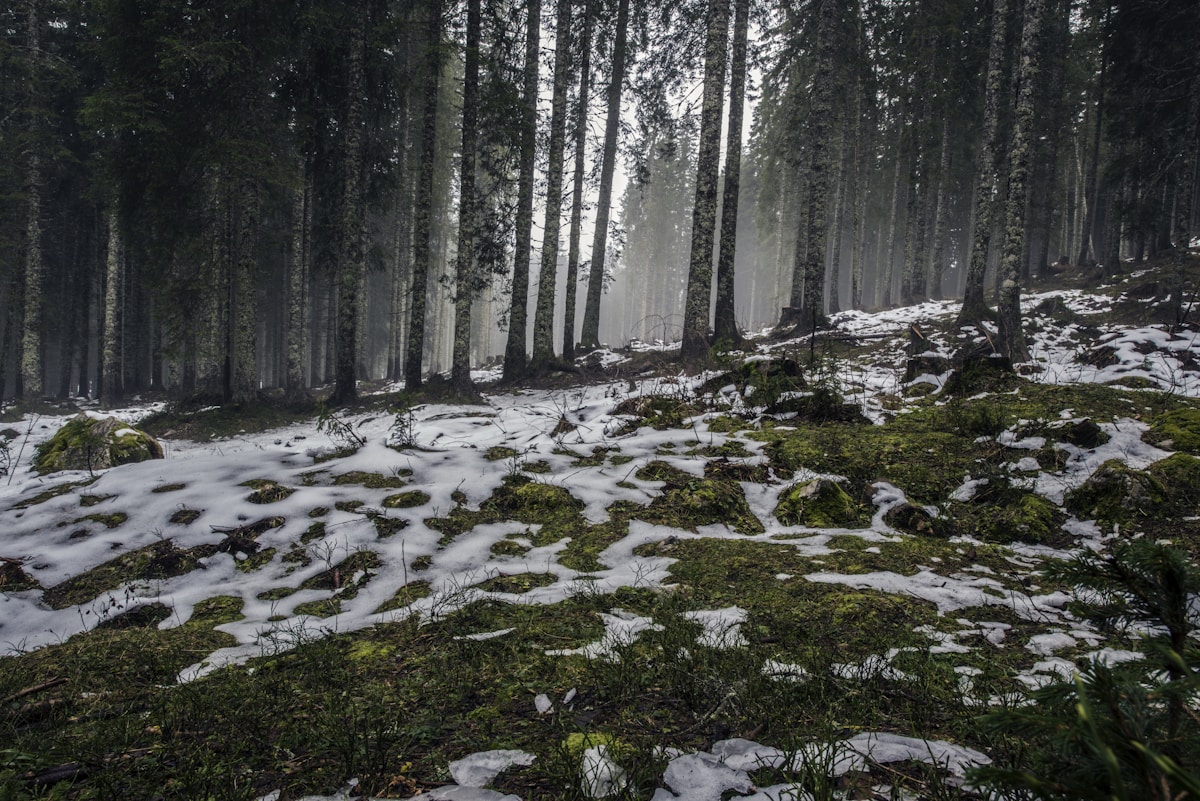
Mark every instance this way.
x=913 y=519
x=1086 y=434
x=94 y=443
x=819 y=503
x=1116 y=493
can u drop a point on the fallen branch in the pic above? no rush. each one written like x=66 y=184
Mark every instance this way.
x=37 y=688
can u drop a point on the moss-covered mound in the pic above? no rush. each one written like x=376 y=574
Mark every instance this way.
x=1008 y=514
x=94 y=443
x=1178 y=429
x=819 y=503
x=1116 y=493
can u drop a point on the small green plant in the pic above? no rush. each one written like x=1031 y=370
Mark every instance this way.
x=403 y=433
x=1116 y=731
x=338 y=428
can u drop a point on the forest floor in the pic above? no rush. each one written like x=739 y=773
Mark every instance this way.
x=808 y=570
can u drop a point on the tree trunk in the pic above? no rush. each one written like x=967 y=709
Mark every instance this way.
x=590 y=335
x=585 y=71
x=243 y=367
x=725 y=329
x=974 y=308
x=1012 y=335
x=941 y=222
x=111 y=390
x=422 y=252
x=464 y=278
x=543 y=317
x=350 y=252
x=1088 y=248
x=694 y=348
x=31 y=337
x=514 y=351
x=294 y=388
x=883 y=289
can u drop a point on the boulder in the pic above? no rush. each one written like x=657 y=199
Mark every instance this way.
x=819 y=503
x=94 y=443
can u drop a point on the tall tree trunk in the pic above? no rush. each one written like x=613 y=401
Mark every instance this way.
x=861 y=190
x=1012 y=335
x=464 y=278
x=941 y=214
x=585 y=74
x=111 y=390
x=514 y=352
x=422 y=252
x=294 y=388
x=590 y=335
x=883 y=289
x=694 y=348
x=543 y=317
x=725 y=330
x=31 y=337
x=350 y=252
x=974 y=308
x=1088 y=246
x=839 y=218
x=243 y=367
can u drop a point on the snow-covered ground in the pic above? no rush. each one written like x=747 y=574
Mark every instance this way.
x=58 y=542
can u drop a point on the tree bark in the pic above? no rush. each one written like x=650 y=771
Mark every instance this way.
x=941 y=214
x=1012 y=335
x=585 y=70
x=294 y=388
x=1088 y=247
x=694 y=348
x=111 y=390
x=590 y=335
x=31 y=337
x=464 y=278
x=974 y=308
x=725 y=329
x=514 y=352
x=422 y=251
x=543 y=317
x=350 y=256
x=243 y=311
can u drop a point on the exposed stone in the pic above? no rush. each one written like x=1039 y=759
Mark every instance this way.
x=95 y=443
x=1116 y=493
x=913 y=519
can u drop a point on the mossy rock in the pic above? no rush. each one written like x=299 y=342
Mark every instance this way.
x=692 y=502
x=94 y=443
x=819 y=503
x=1116 y=493
x=407 y=500
x=1178 y=430
x=1012 y=516
x=912 y=519
x=1179 y=475
x=534 y=502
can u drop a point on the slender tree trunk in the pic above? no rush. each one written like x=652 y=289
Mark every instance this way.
x=111 y=390
x=694 y=348
x=590 y=335
x=543 y=317
x=861 y=190
x=585 y=71
x=514 y=352
x=1012 y=335
x=974 y=308
x=297 y=281
x=464 y=278
x=725 y=329
x=1088 y=247
x=243 y=367
x=839 y=218
x=886 y=272
x=350 y=256
x=422 y=252
x=941 y=213
x=31 y=337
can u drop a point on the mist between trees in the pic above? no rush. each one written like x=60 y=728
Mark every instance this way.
x=216 y=199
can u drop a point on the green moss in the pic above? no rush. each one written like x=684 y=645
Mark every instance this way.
x=498 y=453
x=347 y=506
x=407 y=500
x=406 y=596
x=1180 y=428
x=1000 y=513
x=1179 y=475
x=692 y=502
x=113 y=520
x=327 y=607
x=169 y=487
x=371 y=480
x=819 y=504
x=276 y=593
x=519 y=583
x=158 y=561
x=94 y=500
x=315 y=531
x=256 y=560
x=88 y=443
x=509 y=548
x=184 y=516
x=217 y=610
x=1117 y=494
x=266 y=491
x=338 y=576
x=52 y=493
